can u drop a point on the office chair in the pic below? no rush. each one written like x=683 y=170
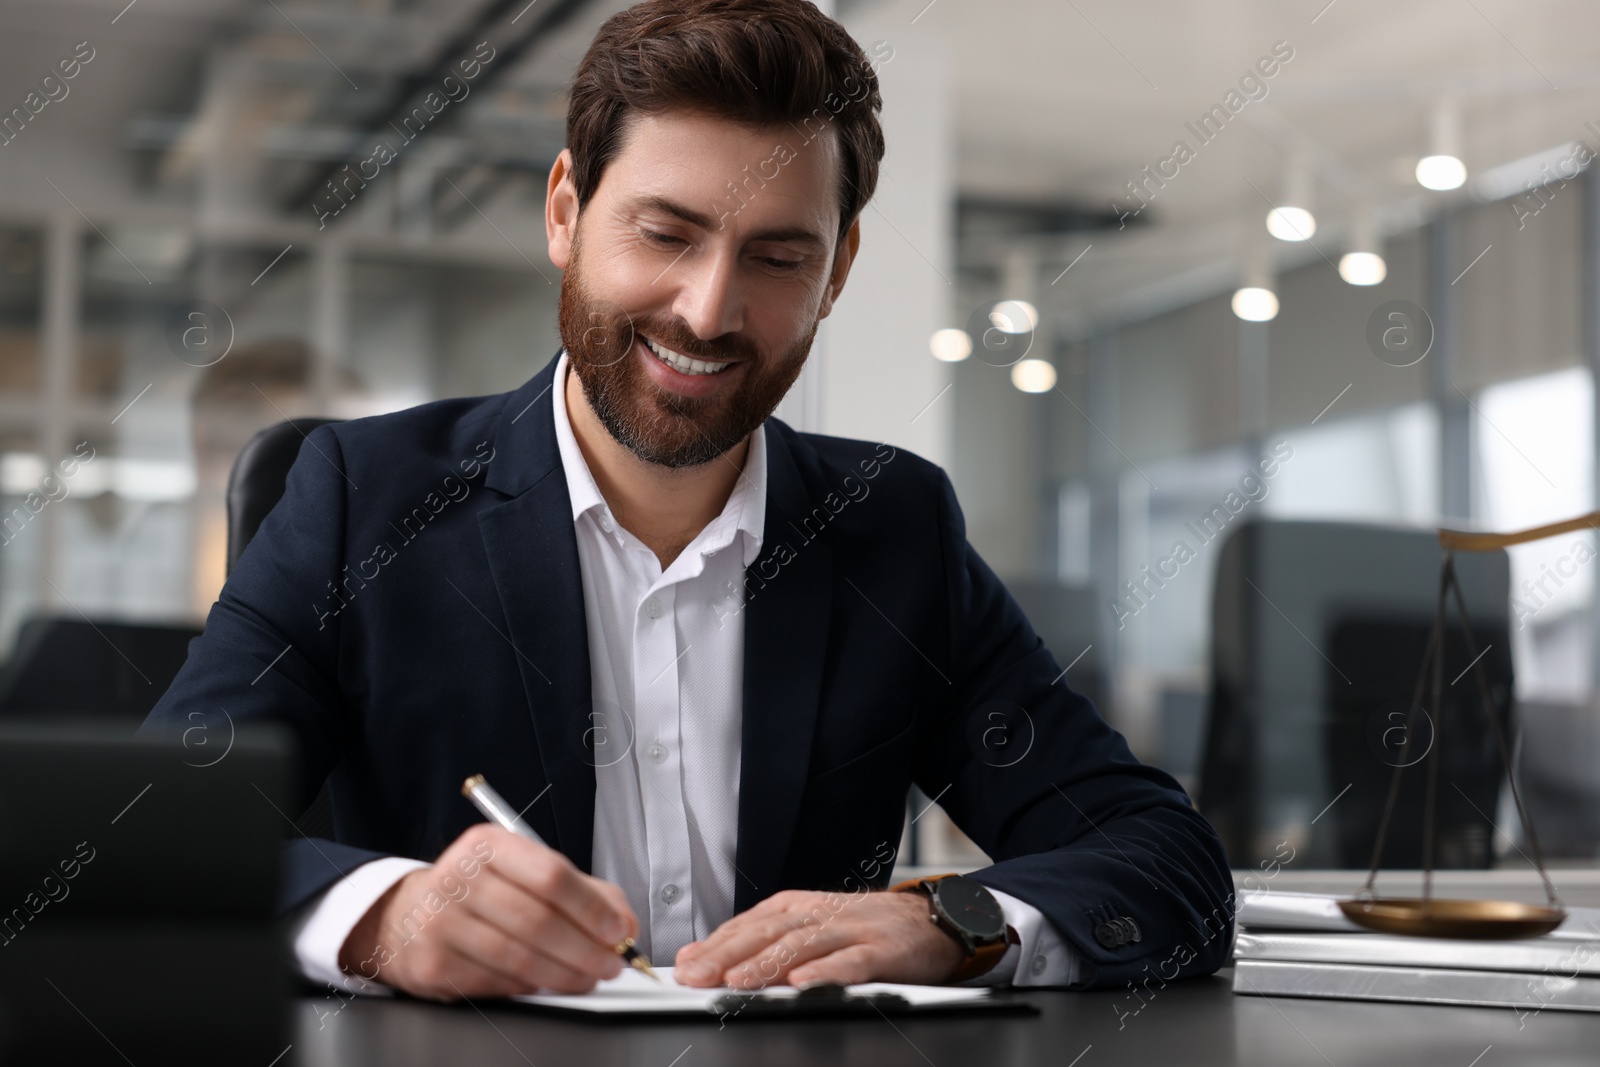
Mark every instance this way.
x=257 y=480
x=255 y=485
x=1318 y=630
x=73 y=667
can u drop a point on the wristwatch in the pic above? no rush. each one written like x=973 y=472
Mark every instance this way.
x=968 y=912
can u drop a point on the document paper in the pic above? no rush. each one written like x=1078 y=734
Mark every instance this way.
x=632 y=991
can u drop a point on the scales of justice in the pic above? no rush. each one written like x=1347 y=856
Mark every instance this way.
x=1429 y=916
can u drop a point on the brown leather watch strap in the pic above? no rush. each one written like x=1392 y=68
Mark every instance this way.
x=914 y=885
x=984 y=957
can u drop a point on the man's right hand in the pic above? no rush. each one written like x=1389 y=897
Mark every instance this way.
x=496 y=915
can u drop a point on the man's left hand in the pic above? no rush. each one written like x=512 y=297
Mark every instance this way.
x=803 y=938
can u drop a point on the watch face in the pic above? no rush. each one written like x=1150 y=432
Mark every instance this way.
x=971 y=907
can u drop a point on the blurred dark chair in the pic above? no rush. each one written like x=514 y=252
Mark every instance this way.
x=1318 y=630
x=65 y=666
x=255 y=486
x=257 y=481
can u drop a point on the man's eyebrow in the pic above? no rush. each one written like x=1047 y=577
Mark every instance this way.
x=677 y=210
x=704 y=221
x=793 y=234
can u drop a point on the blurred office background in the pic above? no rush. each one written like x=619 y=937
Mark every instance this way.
x=1096 y=333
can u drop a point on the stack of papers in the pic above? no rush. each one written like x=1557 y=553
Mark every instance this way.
x=1301 y=945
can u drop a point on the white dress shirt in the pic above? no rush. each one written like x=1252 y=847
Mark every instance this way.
x=666 y=664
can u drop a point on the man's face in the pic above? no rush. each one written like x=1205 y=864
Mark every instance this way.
x=695 y=279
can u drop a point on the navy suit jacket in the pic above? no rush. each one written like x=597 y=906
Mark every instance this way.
x=413 y=610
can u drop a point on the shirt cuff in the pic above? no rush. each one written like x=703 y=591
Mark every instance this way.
x=1042 y=958
x=318 y=930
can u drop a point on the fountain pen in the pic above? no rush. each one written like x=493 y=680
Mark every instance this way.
x=497 y=811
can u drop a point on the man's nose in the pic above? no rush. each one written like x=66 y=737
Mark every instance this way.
x=710 y=298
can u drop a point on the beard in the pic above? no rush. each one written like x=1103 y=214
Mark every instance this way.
x=659 y=427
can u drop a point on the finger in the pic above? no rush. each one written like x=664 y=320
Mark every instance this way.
x=735 y=940
x=439 y=972
x=551 y=877
x=521 y=969
x=755 y=943
x=518 y=916
x=619 y=902
x=779 y=906
x=772 y=905
x=774 y=962
x=850 y=965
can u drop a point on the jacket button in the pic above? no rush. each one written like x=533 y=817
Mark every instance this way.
x=1114 y=933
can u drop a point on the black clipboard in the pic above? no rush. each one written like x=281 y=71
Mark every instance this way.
x=839 y=1002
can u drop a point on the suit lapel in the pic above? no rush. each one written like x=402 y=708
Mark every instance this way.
x=788 y=601
x=533 y=557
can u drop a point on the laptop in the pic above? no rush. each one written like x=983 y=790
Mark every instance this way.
x=138 y=877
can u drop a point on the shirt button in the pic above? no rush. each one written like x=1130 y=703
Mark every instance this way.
x=652 y=608
x=1038 y=965
x=657 y=752
x=605 y=522
x=670 y=893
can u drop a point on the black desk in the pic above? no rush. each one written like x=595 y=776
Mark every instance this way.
x=1188 y=1023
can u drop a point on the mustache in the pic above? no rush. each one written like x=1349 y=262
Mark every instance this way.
x=676 y=336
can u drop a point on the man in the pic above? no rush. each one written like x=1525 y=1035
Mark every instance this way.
x=705 y=655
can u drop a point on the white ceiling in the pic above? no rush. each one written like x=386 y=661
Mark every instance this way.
x=1069 y=99
x=1056 y=100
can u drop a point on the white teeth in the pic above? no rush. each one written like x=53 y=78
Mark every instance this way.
x=685 y=364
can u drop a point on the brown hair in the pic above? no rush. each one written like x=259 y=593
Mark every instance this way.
x=753 y=62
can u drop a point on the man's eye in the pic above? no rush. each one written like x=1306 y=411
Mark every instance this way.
x=782 y=264
x=660 y=240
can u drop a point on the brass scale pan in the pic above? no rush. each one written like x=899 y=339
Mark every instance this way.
x=1425 y=916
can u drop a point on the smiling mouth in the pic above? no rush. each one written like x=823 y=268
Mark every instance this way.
x=684 y=364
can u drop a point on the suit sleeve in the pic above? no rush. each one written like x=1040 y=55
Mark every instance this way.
x=1110 y=850
x=270 y=652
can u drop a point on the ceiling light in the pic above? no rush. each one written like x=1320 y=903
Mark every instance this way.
x=1441 y=169
x=1441 y=173
x=1034 y=376
x=1363 y=263
x=950 y=345
x=1291 y=223
x=1014 y=316
x=1255 y=303
x=1255 y=300
x=1362 y=268
x=1291 y=218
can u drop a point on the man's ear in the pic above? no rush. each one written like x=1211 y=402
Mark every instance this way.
x=842 y=258
x=561 y=210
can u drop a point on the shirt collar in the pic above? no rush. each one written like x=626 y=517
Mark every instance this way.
x=745 y=512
